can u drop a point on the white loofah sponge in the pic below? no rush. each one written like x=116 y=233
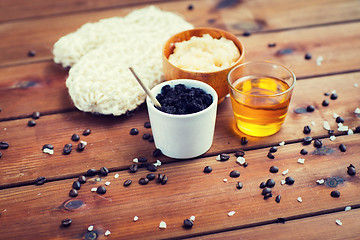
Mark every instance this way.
x=100 y=54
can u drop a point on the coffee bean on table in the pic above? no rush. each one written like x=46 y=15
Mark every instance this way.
x=333 y=96
x=48 y=146
x=307 y=140
x=31 y=123
x=157 y=153
x=31 y=53
x=335 y=194
x=308 y=56
x=234 y=174
x=75 y=137
x=268 y=195
x=273 y=149
x=150 y=176
x=35 y=115
x=40 y=181
x=134 y=131
x=239 y=153
x=82 y=179
x=143 y=181
x=289 y=180
x=357 y=129
x=310 y=108
x=270 y=183
x=188 y=223
x=146 y=136
x=307 y=129
x=151 y=168
x=239 y=185
x=76 y=185
x=0 y=154
x=73 y=193
x=147 y=125
x=274 y=169
x=127 y=183
x=133 y=168
x=246 y=34
x=278 y=198
x=331 y=132
x=342 y=147
x=101 y=190
x=66 y=222
x=325 y=103
x=224 y=157
x=91 y=172
x=142 y=159
x=262 y=185
x=207 y=169
x=270 y=45
x=164 y=179
x=243 y=141
x=351 y=170
x=339 y=119
x=326 y=94
x=318 y=143
x=151 y=139
x=266 y=191
x=4 y=145
x=303 y=151
x=86 y=132
x=270 y=155
x=80 y=147
x=245 y=164
x=67 y=148
x=104 y=171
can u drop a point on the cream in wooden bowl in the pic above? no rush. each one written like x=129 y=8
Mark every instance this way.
x=205 y=54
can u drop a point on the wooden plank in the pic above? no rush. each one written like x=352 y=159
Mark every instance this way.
x=40 y=209
x=111 y=145
x=318 y=227
x=39 y=35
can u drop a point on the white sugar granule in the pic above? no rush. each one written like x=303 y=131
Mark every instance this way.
x=94 y=189
x=158 y=163
x=285 y=172
x=162 y=225
x=48 y=151
x=192 y=218
x=240 y=160
x=335 y=115
x=350 y=132
x=299 y=199
x=282 y=182
x=332 y=138
x=135 y=160
x=319 y=60
x=225 y=180
x=90 y=228
x=320 y=181
x=107 y=233
x=218 y=157
x=83 y=142
x=357 y=111
x=338 y=222
x=107 y=183
x=301 y=160
x=348 y=208
x=312 y=123
x=136 y=218
x=356 y=85
x=116 y=175
x=326 y=125
x=342 y=128
x=282 y=143
x=231 y=213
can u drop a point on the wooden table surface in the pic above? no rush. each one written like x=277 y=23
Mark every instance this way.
x=327 y=29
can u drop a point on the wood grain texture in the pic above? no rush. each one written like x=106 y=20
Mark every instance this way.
x=40 y=209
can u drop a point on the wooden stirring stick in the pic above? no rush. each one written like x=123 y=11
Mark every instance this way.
x=146 y=89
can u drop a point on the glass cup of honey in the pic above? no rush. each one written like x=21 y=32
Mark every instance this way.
x=260 y=95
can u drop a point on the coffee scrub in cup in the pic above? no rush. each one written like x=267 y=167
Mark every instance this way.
x=260 y=95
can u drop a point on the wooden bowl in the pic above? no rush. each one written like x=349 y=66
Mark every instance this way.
x=218 y=79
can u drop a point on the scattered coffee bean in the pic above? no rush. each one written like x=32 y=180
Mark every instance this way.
x=134 y=131
x=82 y=179
x=274 y=169
x=325 y=103
x=0 y=154
x=101 y=190
x=239 y=153
x=76 y=185
x=308 y=56
x=342 y=147
x=303 y=151
x=35 y=115
x=67 y=148
x=318 y=143
x=160 y=176
x=310 y=108
x=270 y=45
x=245 y=164
x=331 y=132
x=146 y=136
x=307 y=140
x=147 y=125
x=104 y=171
x=40 y=181
x=357 y=129
x=333 y=96
x=268 y=195
x=150 y=176
x=80 y=147
x=262 y=184
x=48 y=146
x=278 y=198
x=239 y=185
x=190 y=7
x=164 y=180
x=270 y=183
x=246 y=34
x=31 y=123
x=270 y=155
x=326 y=94
x=207 y=169
x=151 y=168
x=133 y=168
x=243 y=141
x=351 y=170
x=91 y=172
x=339 y=120
x=143 y=181
x=266 y=191
x=73 y=193
x=31 y=53
x=142 y=159
x=75 y=137
x=307 y=129
x=151 y=139
x=224 y=157
x=188 y=223
x=66 y=222
x=86 y=132
x=289 y=180
x=127 y=183
x=234 y=174
x=335 y=194
x=157 y=153
x=273 y=149
x=4 y=145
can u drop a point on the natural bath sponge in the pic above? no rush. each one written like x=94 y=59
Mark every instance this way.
x=101 y=53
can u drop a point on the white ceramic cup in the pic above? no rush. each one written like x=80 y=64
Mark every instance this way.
x=183 y=136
